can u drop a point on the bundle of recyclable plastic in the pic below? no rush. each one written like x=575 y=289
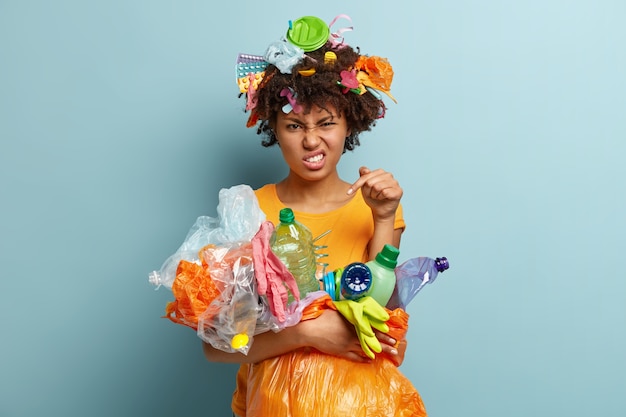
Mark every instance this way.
x=213 y=276
x=230 y=283
x=238 y=220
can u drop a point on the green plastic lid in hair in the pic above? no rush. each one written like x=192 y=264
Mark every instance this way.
x=308 y=33
x=388 y=256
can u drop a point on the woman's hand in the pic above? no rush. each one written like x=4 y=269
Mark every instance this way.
x=381 y=192
x=332 y=334
x=394 y=349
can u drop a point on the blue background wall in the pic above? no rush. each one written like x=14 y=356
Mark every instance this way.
x=120 y=123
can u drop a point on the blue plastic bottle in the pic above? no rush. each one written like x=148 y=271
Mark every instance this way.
x=355 y=281
x=348 y=283
x=375 y=278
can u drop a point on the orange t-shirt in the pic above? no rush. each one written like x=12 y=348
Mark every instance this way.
x=351 y=226
x=351 y=229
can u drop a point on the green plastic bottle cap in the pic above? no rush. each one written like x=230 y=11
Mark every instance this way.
x=308 y=33
x=286 y=215
x=388 y=256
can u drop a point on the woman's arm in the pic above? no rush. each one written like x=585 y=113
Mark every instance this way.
x=382 y=193
x=330 y=333
x=383 y=234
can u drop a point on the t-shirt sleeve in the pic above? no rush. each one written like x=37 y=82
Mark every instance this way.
x=399 y=222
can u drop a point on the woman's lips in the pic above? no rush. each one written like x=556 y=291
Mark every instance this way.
x=315 y=161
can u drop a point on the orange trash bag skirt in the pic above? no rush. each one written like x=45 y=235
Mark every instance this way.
x=308 y=383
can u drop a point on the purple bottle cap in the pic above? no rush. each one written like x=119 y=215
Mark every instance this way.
x=442 y=264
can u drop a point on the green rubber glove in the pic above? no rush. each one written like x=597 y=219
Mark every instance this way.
x=365 y=314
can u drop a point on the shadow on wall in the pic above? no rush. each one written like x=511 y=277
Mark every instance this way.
x=241 y=160
x=186 y=381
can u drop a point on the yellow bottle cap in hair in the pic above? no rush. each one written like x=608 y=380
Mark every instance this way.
x=330 y=57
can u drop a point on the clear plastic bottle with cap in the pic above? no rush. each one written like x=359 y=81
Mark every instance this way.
x=383 y=274
x=292 y=242
x=411 y=277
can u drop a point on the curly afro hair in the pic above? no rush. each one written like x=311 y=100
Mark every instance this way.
x=320 y=89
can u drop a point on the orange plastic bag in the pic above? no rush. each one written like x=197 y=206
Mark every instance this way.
x=193 y=291
x=307 y=383
x=196 y=286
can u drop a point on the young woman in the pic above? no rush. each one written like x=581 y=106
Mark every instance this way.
x=314 y=109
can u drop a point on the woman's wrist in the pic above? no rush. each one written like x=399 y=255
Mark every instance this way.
x=384 y=222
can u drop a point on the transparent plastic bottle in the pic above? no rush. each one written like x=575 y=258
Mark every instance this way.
x=292 y=242
x=383 y=274
x=413 y=275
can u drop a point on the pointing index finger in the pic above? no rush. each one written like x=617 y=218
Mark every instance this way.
x=359 y=182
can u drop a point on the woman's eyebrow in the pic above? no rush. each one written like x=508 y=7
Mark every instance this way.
x=301 y=122
x=325 y=119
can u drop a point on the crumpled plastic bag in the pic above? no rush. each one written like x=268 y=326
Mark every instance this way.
x=238 y=220
x=283 y=55
x=229 y=322
x=193 y=291
x=307 y=383
x=213 y=279
x=198 y=285
x=238 y=313
x=211 y=274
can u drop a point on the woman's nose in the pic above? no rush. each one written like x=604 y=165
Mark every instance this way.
x=311 y=137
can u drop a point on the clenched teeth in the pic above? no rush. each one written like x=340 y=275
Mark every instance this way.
x=316 y=158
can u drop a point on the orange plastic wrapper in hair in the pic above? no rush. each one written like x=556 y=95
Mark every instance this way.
x=375 y=72
x=194 y=288
x=307 y=383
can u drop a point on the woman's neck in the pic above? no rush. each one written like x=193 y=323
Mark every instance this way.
x=313 y=196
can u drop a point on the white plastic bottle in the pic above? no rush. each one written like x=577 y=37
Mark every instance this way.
x=292 y=242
